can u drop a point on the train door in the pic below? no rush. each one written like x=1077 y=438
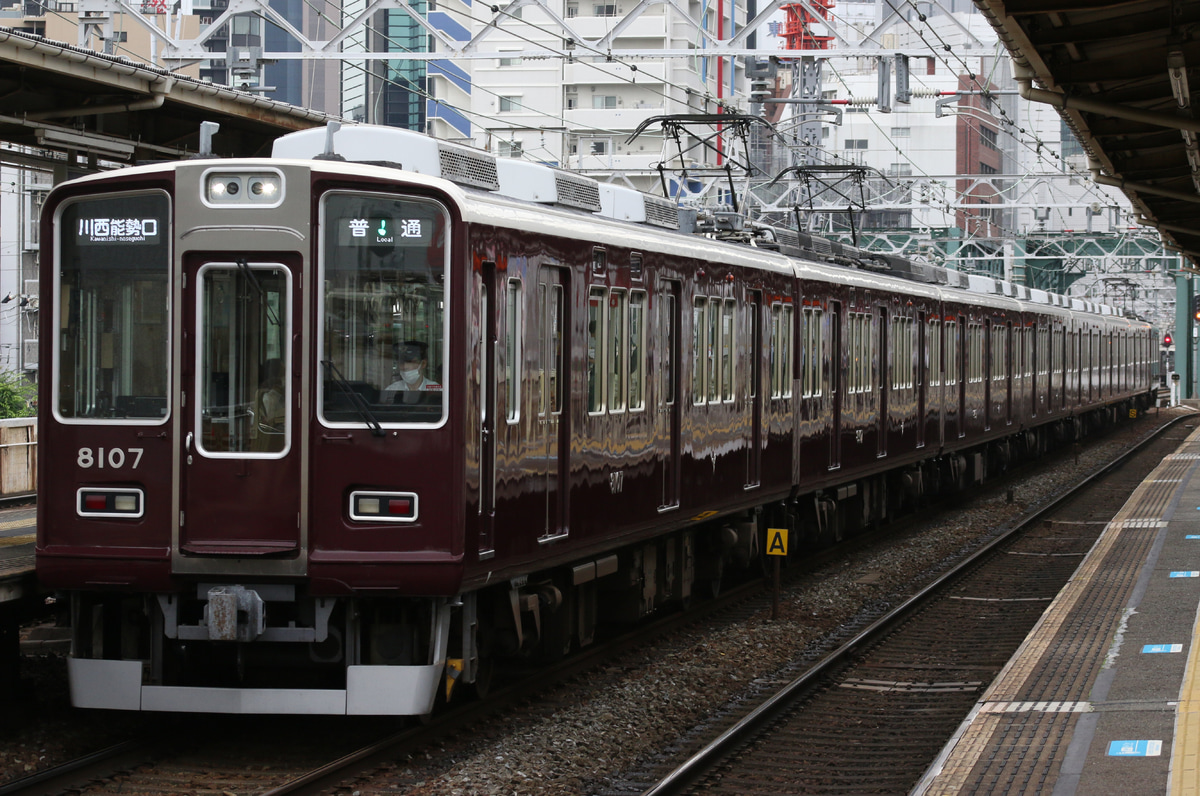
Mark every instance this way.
x=553 y=420
x=1011 y=365
x=836 y=392
x=922 y=376
x=239 y=390
x=754 y=389
x=667 y=416
x=883 y=359
x=488 y=376
x=960 y=336
x=989 y=330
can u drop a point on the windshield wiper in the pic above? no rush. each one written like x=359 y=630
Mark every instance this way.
x=356 y=400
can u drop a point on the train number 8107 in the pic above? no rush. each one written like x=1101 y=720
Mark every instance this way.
x=113 y=458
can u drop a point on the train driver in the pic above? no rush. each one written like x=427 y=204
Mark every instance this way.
x=412 y=361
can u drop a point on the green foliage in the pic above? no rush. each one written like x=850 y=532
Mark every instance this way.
x=18 y=396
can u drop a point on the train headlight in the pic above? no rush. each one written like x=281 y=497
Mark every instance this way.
x=242 y=188
x=383 y=506
x=123 y=502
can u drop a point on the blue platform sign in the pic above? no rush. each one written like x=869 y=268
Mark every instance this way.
x=1152 y=648
x=1135 y=748
x=1186 y=574
x=1192 y=536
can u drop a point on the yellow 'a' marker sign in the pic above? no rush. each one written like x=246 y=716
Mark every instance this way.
x=777 y=539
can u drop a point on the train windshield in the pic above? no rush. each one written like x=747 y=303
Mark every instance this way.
x=111 y=354
x=384 y=277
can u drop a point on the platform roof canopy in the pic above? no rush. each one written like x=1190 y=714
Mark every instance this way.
x=1126 y=77
x=54 y=96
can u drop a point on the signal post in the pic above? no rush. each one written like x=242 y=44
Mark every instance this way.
x=1187 y=317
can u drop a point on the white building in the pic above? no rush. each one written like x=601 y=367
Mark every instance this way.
x=580 y=112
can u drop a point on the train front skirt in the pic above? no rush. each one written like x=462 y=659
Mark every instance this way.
x=370 y=690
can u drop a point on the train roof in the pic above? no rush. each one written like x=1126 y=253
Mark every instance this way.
x=517 y=194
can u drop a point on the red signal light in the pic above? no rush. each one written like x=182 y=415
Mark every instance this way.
x=1167 y=340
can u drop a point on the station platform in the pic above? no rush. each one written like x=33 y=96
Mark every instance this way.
x=1103 y=697
x=18 y=527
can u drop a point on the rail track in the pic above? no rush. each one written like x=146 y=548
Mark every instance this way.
x=873 y=714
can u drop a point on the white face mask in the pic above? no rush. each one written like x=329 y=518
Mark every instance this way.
x=411 y=376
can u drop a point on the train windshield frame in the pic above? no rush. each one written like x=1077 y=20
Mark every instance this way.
x=384 y=273
x=112 y=314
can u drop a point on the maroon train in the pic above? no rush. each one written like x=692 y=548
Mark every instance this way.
x=319 y=435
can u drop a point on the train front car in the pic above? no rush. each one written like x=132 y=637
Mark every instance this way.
x=249 y=457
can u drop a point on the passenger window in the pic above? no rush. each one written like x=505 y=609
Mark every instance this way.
x=714 y=346
x=637 y=348
x=699 y=328
x=512 y=349
x=727 y=350
x=596 y=350
x=616 y=351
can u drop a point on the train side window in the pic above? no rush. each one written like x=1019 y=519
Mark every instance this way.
x=712 y=375
x=902 y=353
x=785 y=352
x=951 y=358
x=933 y=353
x=514 y=296
x=974 y=353
x=860 y=348
x=806 y=352
x=596 y=315
x=811 y=347
x=776 y=315
x=728 y=345
x=616 y=351
x=637 y=350
x=753 y=376
x=667 y=355
x=910 y=351
x=556 y=352
x=599 y=260
x=1043 y=357
x=1030 y=348
x=865 y=340
x=999 y=352
x=699 y=328
x=854 y=384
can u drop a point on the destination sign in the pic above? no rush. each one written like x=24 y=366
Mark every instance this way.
x=385 y=231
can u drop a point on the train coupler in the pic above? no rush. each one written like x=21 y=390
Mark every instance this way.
x=234 y=613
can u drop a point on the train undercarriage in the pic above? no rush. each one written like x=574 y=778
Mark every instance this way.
x=270 y=648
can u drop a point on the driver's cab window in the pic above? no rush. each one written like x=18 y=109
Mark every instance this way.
x=383 y=342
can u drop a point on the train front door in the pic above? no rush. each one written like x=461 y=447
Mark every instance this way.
x=240 y=453
x=553 y=416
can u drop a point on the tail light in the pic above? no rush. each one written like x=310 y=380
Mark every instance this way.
x=383 y=506
x=125 y=503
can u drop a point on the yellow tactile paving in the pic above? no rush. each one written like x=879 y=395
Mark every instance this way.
x=28 y=522
x=1185 y=754
x=10 y=541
